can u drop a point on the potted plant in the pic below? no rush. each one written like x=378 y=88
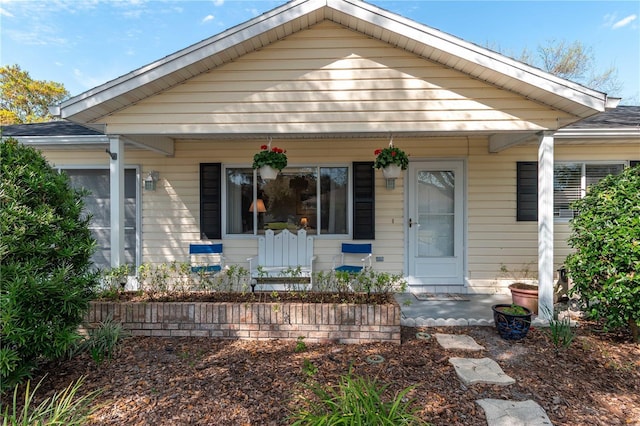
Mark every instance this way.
x=524 y=288
x=512 y=321
x=391 y=160
x=270 y=161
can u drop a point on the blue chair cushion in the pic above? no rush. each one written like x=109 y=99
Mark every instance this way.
x=349 y=268
x=210 y=268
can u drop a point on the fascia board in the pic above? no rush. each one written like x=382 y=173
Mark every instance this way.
x=187 y=56
x=62 y=140
x=471 y=53
x=607 y=133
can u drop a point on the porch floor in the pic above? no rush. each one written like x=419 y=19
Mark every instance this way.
x=474 y=310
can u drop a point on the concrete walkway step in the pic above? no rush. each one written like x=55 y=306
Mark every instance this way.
x=458 y=341
x=513 y=413
x=480 y=370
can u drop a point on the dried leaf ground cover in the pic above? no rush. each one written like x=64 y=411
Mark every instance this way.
x=183 y=381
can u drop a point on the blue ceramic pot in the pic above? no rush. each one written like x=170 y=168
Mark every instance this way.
x=511 y=326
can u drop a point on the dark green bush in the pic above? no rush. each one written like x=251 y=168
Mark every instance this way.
x=45 y=250
x=605 y=266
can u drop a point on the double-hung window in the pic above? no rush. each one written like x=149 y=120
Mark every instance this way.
x=572 y=180
x=312 y=198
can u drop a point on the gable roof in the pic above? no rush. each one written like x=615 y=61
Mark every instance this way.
x=297 y=15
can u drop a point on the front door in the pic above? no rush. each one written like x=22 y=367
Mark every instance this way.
x=435 y=225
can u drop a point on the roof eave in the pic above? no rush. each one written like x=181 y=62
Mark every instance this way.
x=472 y=59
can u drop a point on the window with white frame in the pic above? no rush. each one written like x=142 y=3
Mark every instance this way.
x=572 y=180
x=313 y=198
x=98 y=206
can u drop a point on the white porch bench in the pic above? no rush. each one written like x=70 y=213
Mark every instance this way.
x=283 y=258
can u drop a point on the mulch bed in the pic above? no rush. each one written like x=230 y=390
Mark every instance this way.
x=193 y=381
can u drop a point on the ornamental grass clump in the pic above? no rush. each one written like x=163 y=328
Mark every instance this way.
x=67 y=408
x=354 y=401
x=391 y=155
x=274 y=157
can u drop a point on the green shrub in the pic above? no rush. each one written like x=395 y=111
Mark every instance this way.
x=65 y=408
x=45 y=251
x=356 y=401
x=605 y=267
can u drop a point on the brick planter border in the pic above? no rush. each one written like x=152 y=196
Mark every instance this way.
x=317 y=322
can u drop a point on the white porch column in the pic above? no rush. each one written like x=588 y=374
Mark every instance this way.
x=116 y=180
x=545 y=225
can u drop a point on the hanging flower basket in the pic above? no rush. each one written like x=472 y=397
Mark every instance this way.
x=392 y=171
x=389 y=157
x=268 y=172
x=270 y=158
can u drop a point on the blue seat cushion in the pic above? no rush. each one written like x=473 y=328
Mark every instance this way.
x=349 y=268
x=209 y=268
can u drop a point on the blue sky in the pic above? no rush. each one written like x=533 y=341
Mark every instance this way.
x=84 y=43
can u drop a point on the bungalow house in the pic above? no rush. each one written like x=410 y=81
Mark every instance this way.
x=167 y=149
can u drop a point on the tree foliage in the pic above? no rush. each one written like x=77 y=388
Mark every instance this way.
x=605 y=266
x=25 y=100
x=45 y=250
x=575 y=62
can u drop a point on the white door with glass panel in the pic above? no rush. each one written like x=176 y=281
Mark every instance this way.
x=435 y=223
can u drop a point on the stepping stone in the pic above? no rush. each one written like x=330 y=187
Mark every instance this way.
x=480 y=370
x=511 y=413
x=458 y=341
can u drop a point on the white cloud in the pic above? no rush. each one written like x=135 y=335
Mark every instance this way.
x=624 y=21
x=86 y=81
x=218 y=2
x=208 y=18
x=5 y=13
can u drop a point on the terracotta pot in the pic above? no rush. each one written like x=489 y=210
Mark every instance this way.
x=392 y=171
x=268 y=172
x=525 y=295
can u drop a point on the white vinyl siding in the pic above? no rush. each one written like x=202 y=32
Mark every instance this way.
x=329 y=79
x=170 y=215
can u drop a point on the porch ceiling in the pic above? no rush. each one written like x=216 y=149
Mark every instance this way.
x=423 y=41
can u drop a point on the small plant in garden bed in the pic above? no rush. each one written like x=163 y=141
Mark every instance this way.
x=158 y=285
x=103 y=341
x=356 y=401
x=301 y=346
x=560 y=332
x=67 y=408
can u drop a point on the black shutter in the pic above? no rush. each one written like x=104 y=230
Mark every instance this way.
x=210 y=201
x=634 y=163
x=527 y=191
x=364 y=211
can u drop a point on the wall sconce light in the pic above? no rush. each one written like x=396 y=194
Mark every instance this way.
x=151 y=180
x=391 y=183
x=304 y=222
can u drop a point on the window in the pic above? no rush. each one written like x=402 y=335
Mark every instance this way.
x=570 y=183
x=572 y=180
x=98 y=205
x=313 y=198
